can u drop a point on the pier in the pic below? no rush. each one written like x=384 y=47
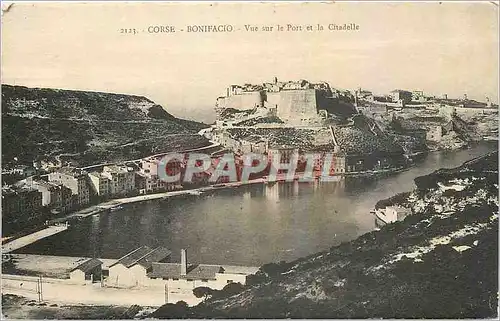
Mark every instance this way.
x=32 y=238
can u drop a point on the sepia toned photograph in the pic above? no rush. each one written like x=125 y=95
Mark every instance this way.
x=233 y=160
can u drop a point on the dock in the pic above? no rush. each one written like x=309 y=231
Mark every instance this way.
x=32 y=238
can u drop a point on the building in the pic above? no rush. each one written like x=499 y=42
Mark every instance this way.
x=253 y=144
x=361 y=94
x=148 y=180
x=90 y=270
x=21 y=170
x=76 y=180
x=179 y=279
x=418 y=95
x=131 y=270
x=20 y=203
x=282 y=153
x=55 y=196
x=434 y=133
x=391 y=214
x=292 y=101
x=121 y=179
x=401 y=96
x=100 y=184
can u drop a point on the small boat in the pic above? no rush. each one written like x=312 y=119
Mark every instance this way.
x=116 y=208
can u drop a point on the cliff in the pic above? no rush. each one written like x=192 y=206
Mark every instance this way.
x=87 y=127
x=440 y=262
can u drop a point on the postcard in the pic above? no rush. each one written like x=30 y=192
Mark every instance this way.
x=329 y=160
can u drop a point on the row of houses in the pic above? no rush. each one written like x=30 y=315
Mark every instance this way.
x=71 y=188
x=430 y=129
x=20 y=203
x=353 y=150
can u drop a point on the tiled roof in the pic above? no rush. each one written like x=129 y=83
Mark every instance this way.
x=72 y=171
x=203 y=271
x=196 y=272
x=165 y=270
x=134 y=256
x=144 y=256
x=88 y=265
x=157 y=255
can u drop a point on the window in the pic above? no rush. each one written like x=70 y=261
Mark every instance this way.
x=204 y=280
x=189 y=280
x=175 y=279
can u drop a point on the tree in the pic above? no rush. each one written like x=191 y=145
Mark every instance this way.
x=202 y=292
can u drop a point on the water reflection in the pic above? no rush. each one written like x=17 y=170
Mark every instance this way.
x=250 y=225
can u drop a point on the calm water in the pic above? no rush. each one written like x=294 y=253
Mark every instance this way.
x=250 y=225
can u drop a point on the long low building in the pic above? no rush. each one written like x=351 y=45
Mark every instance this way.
x=197 y=275
x=146 y=267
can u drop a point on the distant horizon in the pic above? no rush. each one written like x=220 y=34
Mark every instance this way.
x=213 y=106
x=212 y=112
x=447 y=48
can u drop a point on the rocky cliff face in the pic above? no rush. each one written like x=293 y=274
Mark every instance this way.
x=440 y=262
x=87 y=127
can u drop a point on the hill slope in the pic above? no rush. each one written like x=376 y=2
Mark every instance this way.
x=88 y=127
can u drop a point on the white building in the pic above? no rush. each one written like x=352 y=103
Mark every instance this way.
x=434 y=133
x=145 y=267
x=100 y=183
x=179 y=279
x=148 y=180
x=131 y=270
x=90 y=270
x=122 y=179
x=74 y=179
x=391 y=214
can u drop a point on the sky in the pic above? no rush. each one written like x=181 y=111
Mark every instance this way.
x=442 y=48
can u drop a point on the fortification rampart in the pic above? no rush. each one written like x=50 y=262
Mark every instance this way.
x=294 y=104
x=245 y=100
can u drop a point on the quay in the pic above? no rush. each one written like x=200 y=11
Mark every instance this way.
x=117 y=203
x=32 y=238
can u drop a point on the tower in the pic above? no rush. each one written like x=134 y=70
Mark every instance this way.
x=183 y=262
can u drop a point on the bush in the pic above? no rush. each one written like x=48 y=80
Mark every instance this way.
x=202 y=291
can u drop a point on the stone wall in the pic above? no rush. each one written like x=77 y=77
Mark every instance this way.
x=294 y=105
x=246 y=100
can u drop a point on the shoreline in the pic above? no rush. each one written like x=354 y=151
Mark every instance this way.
x=118 y=202
x=318 y=255
x=114 y=203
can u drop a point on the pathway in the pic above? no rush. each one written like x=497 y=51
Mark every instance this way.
x=32 y=238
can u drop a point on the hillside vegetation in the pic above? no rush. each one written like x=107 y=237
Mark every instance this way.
x=88 y=127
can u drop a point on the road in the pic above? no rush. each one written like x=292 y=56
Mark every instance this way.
x=156 y=155
x=88 y=294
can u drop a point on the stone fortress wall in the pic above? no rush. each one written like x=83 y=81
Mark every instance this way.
x=293 y=102
x=293 y=105
x=242 y=101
